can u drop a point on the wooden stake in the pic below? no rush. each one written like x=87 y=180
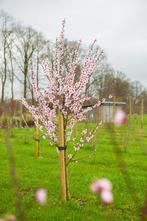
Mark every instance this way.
x=142 y=111
x=130 y=107
x=97 y=112
x=97 y=115
x=37 y=145
x=114 y=107
x=62 y=158
x=76 y=130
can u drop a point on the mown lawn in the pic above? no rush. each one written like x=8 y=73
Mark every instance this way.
x=44 y=172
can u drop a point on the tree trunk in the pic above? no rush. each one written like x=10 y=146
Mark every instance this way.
x=12 y=88
x=3 y=92
x=25 y=86
x=12 y=75
x=25 y=76
x=5 y=75
x=37 y=145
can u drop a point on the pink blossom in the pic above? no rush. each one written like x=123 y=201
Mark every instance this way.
x=69 y=156
x=104 y=188
x=87 y=139
x=101 y=185
x=41 y=196
x=2 y=219
x=106 y=197
x=81 y=140
x=63 y=92
x=11 y=218
x=95 y=187
x=84 y=132
x=120 y=117
x=77 y=148
x=105 y=184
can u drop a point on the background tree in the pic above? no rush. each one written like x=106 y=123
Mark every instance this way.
x=5 y=41
x=26 y=45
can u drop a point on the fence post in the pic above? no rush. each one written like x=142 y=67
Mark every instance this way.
x=37 y=145
x=62 y=158
x=130 y=107
x=142 y=111
x=114 y=108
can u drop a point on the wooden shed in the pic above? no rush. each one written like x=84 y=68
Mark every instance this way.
x=108 y=109
x=105 y=112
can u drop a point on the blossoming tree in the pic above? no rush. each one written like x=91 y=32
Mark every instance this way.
x=61 y=104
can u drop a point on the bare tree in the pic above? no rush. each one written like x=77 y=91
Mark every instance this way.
x=122 y=86
x=5 y=40
x=104 y=81
x=26 y=46
x=137 y=89
x=11 y=71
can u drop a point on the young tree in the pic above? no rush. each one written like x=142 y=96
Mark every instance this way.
x=64 y=97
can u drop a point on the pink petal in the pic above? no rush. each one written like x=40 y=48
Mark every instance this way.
x=120 y=118
x=106 y=197
x=41 y=196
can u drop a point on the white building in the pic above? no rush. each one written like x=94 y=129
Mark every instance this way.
x=105 y=112
x=108 y=109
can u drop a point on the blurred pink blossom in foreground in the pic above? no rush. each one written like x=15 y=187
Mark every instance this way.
x=106 y=197
x=101 y=185
x=2 y=219
x=11 y=218
x=41 y=196
x=120 y=117
x=104 y=188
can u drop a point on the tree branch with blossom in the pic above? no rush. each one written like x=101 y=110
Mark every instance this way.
x=65 y=92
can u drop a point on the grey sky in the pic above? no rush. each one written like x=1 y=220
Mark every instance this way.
x=120 y=27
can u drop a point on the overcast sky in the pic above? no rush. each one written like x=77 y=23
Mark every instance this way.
x=120 y=27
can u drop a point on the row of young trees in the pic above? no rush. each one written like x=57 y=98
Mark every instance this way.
x=20 y=47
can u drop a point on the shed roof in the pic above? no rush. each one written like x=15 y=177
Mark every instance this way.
x=93 y=101
x=110 y=103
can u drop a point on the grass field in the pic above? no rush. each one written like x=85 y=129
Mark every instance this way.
x=44 y=172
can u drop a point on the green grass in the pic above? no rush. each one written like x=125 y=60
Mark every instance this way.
x=44 y=172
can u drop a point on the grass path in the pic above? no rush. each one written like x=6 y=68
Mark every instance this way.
x=44 y=172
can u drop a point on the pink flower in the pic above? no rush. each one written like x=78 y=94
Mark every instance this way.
x=2 y=219
x=120 y=117
x=101 y=185
x=106 y=197
x=11 y=218
x=41 y=196
x=61 y=85
x=95 y=187
x=104 y=188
